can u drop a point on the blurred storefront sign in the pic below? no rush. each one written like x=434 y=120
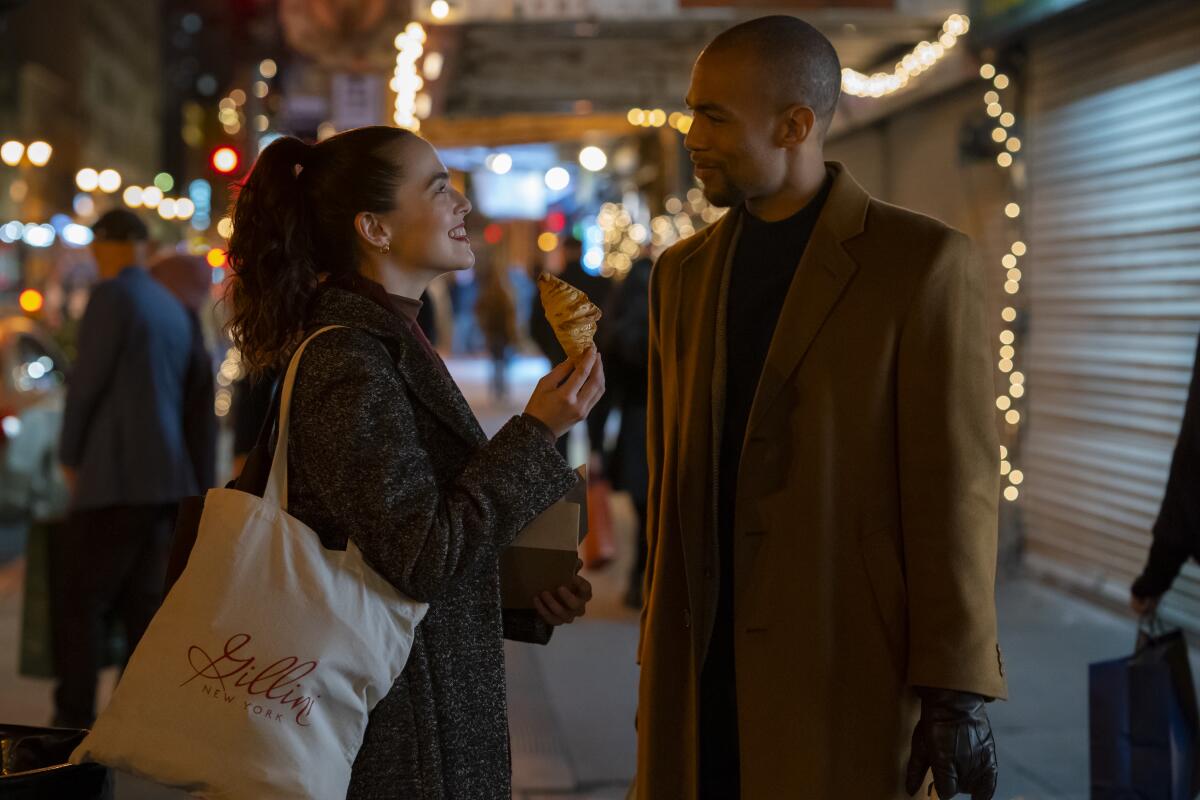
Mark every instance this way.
x=357 y=100
x=304 y=112
x=458 y=12
x=788 y=5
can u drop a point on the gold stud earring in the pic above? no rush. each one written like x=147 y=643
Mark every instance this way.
x=387 y=248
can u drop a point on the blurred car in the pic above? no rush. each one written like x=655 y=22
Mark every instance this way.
x=33 y=373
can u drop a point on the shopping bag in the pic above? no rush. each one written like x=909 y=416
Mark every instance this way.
x=599 y=548
x=1143 y=722
x=256 y=676
x=36 y=658
x=33 y=766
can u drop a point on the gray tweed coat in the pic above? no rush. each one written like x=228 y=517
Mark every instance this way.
x=384 y=450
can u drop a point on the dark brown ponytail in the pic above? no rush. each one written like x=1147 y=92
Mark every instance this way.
x=293 y=221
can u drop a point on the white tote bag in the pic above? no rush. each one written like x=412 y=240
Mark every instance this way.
x=255 y=678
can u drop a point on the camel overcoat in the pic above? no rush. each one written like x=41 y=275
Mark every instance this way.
x=865 y=532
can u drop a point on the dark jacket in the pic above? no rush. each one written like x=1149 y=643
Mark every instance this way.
x=625 y=344
x=123 y=428
x=385 y=451
x=252 y=400
x=1177 y=530
x=199 y=419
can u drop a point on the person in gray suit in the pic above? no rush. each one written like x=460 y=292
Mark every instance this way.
x=124 y=455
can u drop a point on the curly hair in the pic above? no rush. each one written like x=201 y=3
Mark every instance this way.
x=293 y=225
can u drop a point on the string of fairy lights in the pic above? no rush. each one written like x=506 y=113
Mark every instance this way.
x=922 y=58
x=413 y=67
x=627 y=232
x=1007 y=402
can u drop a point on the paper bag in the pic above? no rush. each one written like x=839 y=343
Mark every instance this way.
x=545 y=553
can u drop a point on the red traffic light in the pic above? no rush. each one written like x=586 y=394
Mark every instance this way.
x=225 y=160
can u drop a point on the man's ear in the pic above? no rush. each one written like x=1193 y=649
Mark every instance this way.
x=798 y=125
x=371 y=229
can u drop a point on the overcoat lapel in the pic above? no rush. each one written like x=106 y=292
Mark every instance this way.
x=824 y=271
x=436 y=390
x=700 y=348
x=426 y=379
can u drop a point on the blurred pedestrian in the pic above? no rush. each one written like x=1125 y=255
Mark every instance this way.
x=125 y=455
x=1176 y=534
x=189 y=278
x=496 y=312
x=625 y=345
x=820 y=603
x=384 y=450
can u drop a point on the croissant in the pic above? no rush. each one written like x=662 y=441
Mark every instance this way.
x=572 y=315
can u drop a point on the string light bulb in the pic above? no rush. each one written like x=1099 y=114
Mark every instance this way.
x=921 y=58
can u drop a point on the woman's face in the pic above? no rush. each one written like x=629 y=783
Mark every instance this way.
x=427 y=226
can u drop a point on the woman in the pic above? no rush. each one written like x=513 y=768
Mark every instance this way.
x=384 y=449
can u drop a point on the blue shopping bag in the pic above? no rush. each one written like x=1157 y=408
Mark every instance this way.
x=1143 y=722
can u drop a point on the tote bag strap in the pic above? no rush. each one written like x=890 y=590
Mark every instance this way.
x=276 y=491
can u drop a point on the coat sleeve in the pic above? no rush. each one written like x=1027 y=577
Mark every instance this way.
x=101 y=337
x=1177 y=529
x=654 y=445
x=949 y=478
x=356 y=442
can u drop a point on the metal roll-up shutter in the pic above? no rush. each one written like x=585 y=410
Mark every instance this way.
x=1113 y=226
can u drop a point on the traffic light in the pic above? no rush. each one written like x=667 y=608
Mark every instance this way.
x=31 y=301
x=225 y=160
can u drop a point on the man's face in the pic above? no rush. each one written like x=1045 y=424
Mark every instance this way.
x=733 y=136
x=112 y=257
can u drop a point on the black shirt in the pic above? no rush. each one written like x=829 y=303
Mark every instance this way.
x=763 y=267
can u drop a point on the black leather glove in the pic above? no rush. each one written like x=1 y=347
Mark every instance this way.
x=954 y=738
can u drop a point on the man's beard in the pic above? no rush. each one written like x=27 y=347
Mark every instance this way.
x=722 y=193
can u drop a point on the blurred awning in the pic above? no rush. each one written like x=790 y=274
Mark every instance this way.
x=510 y=129
x=497 y=69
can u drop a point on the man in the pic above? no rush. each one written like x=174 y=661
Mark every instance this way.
x=823 y=467
x=1176 y=534
x=124 y=454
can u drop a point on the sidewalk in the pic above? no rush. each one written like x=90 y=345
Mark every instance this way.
x=1049 y=638
x=572 y=703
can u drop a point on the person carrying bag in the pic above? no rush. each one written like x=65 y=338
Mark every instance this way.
x=256 y=677
x=1143 y=720
x=386 y=466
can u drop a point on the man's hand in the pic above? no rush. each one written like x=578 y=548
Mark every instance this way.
x=1144 y=605
x=565 y=604
x=954 y=739
x=71 y=477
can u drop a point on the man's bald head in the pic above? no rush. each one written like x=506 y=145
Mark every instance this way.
x=798 y=65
